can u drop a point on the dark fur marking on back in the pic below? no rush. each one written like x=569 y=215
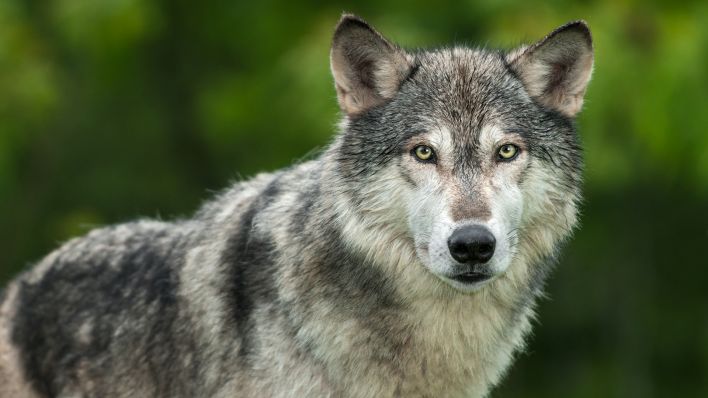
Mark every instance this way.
x=306 y=201
x=253 y=274
x=108 y=297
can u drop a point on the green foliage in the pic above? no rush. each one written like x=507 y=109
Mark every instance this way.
x=116 y=109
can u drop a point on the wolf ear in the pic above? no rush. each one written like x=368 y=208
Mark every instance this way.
x=557 y=69
x=367 y=68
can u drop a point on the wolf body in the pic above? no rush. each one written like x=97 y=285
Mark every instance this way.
x=403 y=261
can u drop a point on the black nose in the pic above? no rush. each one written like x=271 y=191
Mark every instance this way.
x=472 y=244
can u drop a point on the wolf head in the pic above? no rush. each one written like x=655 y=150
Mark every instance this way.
x=468 y=155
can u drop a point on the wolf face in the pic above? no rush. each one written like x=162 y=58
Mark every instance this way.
x=475 y=150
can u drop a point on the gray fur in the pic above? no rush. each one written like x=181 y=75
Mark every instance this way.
x=322 y=279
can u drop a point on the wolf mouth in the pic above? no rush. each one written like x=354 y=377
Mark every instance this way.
x=471 y=277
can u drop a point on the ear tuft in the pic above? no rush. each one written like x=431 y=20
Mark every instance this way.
x=557 y=69
x=367 y=68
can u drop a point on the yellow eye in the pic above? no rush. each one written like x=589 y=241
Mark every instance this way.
x=424 y=153
x=508 y=152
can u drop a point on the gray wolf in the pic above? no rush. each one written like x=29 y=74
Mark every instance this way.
x=404 y=260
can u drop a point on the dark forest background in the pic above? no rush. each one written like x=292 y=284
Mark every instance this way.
x=117 y=109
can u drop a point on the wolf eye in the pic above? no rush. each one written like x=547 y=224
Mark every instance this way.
x=424 y=153
x=508 y=152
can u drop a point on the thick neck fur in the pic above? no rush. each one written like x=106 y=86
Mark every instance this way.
x=350 y=297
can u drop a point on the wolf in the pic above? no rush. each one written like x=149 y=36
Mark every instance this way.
x=402 y=261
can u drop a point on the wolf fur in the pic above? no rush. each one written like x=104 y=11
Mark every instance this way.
x=333 y=277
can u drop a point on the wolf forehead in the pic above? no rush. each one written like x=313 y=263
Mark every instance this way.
x=463 y=90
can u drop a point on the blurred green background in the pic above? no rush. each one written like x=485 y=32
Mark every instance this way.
x=116 y=109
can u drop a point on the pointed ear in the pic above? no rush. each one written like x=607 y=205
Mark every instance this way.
x=367 y=68
x=557 y=69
